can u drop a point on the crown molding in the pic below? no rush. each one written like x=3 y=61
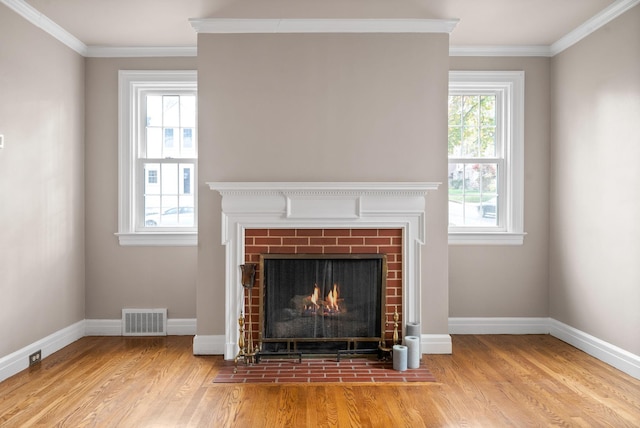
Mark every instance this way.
x=140 y=51
x=233 y=25
x=543 y=51
x=36 y=18
x=599 y=20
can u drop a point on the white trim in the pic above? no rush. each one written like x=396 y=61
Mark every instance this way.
x=209 y=345
x=130 y=83
x=19 y=360
x=481 y=238
x=38 y=19
x=499 y=51
x=158 y=239
x=591 y=25
x=500 y=325
x=140 y=51
x=435 y=344
x=113 y=327
x=610 y=354
x=242 y=26
x=511 y=85
x=101 y=327
x=320 y=205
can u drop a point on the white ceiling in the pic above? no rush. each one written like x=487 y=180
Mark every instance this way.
x=165 y=23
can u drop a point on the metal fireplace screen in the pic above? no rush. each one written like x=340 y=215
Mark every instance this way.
x=314 y=303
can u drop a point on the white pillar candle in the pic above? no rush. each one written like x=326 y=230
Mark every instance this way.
x=399 y=358
x=413 y=329
x=413 y=353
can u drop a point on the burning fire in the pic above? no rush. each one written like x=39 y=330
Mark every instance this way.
x=314 y=304
x=316 y=295
x=332 y=299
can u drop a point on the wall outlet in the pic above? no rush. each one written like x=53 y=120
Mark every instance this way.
x=35 y=358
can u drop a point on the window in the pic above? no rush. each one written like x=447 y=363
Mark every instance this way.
x=486 y=147
x=158 y=158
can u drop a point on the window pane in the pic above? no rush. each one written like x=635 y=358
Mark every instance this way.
x=170 y=200
x=188 y=143
x=171 y=110
x=154 y=110
x=188 y=111
x=473 y=194
x=488 y=126
x=154 y=143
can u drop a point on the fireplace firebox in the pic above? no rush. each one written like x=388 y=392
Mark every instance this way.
x=322 y=303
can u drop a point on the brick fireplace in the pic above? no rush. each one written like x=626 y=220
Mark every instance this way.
x=323 y=218
x=328 y=242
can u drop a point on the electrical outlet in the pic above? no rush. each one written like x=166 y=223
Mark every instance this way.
x=35 y=358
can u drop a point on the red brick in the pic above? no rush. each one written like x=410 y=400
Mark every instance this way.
x=309 y=250
x=350 y=241
x=390 y=249
x=256 y=232
x=256 y=249
x=322 y=241
x=364 y=232
x=390 y=232
x=377 y=241
x=282 y=232
x=337 y=250
x=337 y=232
x=268 y=241
x=364 y=250
x=296 y=241
x=395 y=300
x=309 y=232
x=394 y=266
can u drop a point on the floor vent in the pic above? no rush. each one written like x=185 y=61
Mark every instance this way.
x=144 y=322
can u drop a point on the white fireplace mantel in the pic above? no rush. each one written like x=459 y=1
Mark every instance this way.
x=288 y=205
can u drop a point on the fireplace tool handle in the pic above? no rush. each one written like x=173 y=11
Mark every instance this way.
x=247 y=353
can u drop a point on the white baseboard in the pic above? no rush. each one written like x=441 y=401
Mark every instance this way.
x=435 y=344
x=208 y=344
x=506 y=325
x=610 y=354
x=19 y=360
x=175 y=327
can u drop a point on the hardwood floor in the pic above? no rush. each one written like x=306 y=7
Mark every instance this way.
x=489 y=381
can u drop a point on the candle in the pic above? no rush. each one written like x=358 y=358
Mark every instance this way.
x=413 y=329
x=413 y=353
x=399 y=358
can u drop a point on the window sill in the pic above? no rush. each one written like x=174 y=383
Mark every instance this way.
x=486 y=238
x=167 y=239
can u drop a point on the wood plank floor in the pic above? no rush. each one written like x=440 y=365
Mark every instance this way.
x=489 y=381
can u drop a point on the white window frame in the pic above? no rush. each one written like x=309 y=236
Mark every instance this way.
x=130 y=85
x=510 y=84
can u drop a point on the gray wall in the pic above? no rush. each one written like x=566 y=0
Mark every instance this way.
x=41 y=184
x=315 y=90
x=511 y=281
x=595 y=183
x=328 y=107
x=117 y=276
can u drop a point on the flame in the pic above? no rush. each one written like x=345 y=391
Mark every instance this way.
x=332 y=298
x=316 y=295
